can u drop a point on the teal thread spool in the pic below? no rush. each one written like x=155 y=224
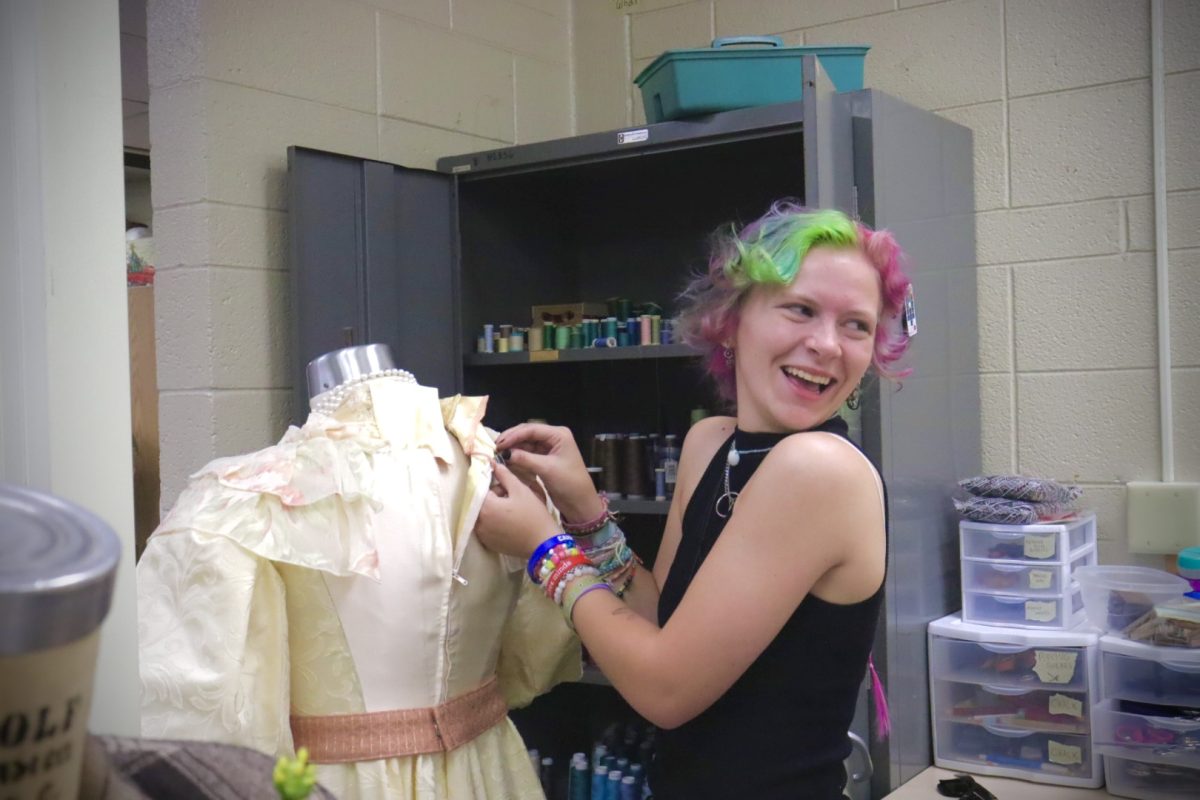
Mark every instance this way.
x=575 y=339
x=549 y=336
x=562 y=337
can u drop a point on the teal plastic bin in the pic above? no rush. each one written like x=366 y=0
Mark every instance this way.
x=686 y=83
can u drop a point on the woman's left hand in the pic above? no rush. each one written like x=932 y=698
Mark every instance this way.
x=513 y=520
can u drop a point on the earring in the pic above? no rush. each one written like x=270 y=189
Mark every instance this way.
x=728 y=355
x=853 y=401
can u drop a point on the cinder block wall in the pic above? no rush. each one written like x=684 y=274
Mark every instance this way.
x=1057 y=93
x=232 y=84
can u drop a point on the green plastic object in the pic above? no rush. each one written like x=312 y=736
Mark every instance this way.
x=688 y=83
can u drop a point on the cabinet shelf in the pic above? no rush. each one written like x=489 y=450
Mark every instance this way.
x=582 y=354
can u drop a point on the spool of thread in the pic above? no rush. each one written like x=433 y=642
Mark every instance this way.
x=660 y=483
x=489 y=338
x=632 y=470
x=602 y=342
x=613 y=790
x=633 y=328
x=655 y=328
x=576 y=339
x=546 y=775
x=535 y=338
x=591 y=329
x=516 y=341
x=480 y=344
x=599 y=782
x=607 y=458
x=578 y=781
x=610 y=328
x=502 y=344
x=562 y=337
x=622 y=338
x=505 y=330
x=644 y=331
x=549 y=336
x=629 y=789
x=667 y=333
x=624 y=308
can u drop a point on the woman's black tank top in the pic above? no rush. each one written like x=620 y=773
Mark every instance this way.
x=780 y=730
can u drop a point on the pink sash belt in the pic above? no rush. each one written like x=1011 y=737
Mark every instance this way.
x=342 y=738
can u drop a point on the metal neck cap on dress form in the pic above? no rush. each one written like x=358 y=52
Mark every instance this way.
x=350 y=363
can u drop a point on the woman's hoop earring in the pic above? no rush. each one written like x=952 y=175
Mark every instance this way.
x=728 y=355
x=853 y=401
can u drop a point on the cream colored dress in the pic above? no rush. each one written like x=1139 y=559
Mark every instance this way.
x=336 y=573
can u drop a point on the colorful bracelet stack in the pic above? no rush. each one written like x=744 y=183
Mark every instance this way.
x=603 y=542
x=564 y=572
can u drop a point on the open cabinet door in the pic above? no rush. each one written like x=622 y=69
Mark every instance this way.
x=372 y=258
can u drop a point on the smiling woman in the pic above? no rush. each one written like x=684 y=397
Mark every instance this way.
x=748 y=641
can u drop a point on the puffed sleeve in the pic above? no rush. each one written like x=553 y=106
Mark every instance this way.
x=537 y=649
x=212 y=632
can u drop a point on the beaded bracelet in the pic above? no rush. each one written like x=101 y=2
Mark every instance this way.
x=572 y=574
x=592 y=525
x=577 y=589
x=561 y=568
x=545 y=547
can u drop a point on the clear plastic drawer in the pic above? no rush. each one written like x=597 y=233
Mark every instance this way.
x=1056 y=542
x=1040 y=756
x=1009 y=666
x=1168 y=676
x=985 y=576
x=1058 y=613
x=1038 y=710
x=1125 y=729
x=1128 y=777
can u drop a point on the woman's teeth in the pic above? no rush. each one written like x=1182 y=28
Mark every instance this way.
x=818 y=382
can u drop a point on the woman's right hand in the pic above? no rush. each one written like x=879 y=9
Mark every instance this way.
x=550 y=452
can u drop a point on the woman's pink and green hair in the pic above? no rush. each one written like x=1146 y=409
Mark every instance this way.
x=771 y=251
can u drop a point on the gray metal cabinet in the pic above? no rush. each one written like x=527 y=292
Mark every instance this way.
x=421 y=259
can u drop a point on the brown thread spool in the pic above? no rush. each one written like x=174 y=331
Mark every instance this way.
x=632 y=478
x=607 y=457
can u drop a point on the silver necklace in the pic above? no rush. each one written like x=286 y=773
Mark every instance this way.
x=732 y=459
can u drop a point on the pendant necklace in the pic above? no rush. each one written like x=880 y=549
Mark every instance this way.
x=724 y=504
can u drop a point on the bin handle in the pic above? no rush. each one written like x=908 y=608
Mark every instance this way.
x=725 y=41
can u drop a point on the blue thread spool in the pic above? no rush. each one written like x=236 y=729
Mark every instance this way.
x=632 y=328
x=602 y=342
x=629 y=789
x=660 y=483
x=489 y=337
x=599 y=782
x=613 y=789
x=666 y=333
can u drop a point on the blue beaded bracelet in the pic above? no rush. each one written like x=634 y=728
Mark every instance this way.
x=545 y=547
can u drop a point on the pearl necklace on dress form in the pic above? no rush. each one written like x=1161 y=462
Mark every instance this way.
x=732 y=459
x=328 y=402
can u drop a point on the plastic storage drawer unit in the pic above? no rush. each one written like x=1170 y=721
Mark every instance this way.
x=1014 y=702
x=1048 y=542
x=1150 y=780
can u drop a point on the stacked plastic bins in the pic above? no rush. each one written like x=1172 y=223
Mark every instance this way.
x=1147 y=724
x=1022 y=575
x=1015 y=677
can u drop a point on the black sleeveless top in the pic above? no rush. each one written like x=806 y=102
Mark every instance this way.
x=780 y=730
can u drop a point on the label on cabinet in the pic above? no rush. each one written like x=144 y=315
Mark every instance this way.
x=633 y=137
x=1041 y=610
x=1061 y=704
x=1040 y=545
x=1060 y=753
x=1054 y=666
x=1040 y=578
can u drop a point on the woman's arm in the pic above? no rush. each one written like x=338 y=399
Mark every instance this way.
x=810 y=514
